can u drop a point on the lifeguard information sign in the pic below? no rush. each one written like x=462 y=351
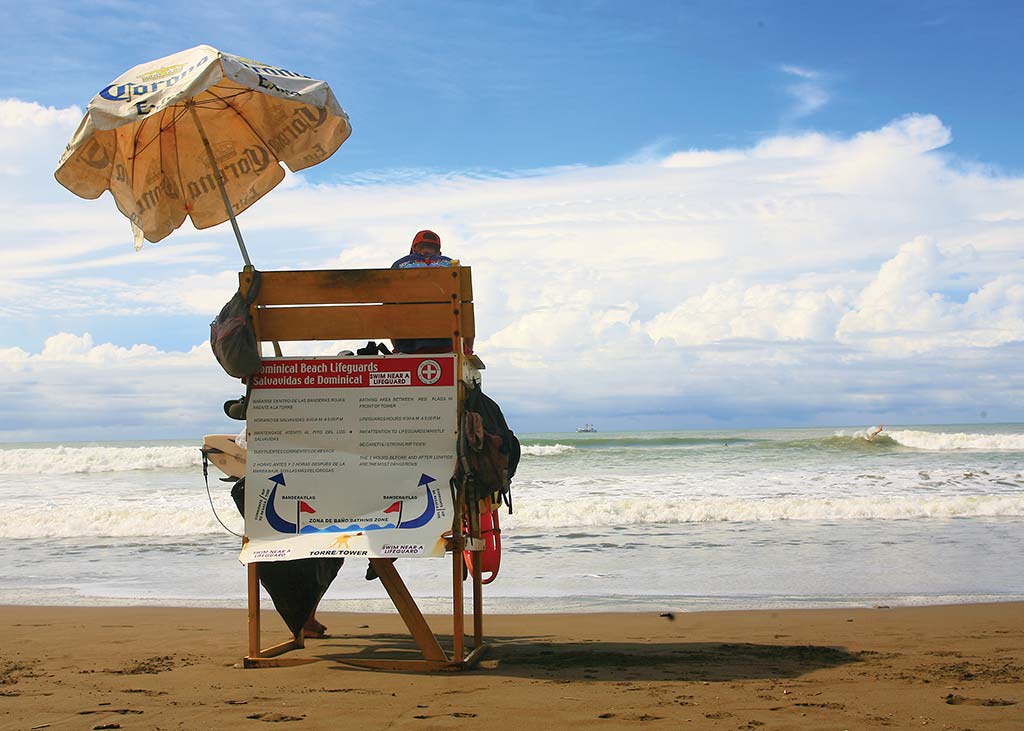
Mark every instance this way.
x=350 y=457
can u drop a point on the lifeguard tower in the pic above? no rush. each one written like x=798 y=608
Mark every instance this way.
x=354 y=456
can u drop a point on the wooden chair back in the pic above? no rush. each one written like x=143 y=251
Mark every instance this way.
x=360 y=304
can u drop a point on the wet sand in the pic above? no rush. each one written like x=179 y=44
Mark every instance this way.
x=953 y=667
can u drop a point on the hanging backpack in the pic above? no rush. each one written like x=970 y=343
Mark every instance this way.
x=489 y=451
x=232 y=336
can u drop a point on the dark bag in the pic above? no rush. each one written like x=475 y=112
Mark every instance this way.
x=295 y=587
x=373 y=348
x=488 y=450
x=232 y=336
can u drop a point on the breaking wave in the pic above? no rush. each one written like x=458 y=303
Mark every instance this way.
x=591 y=512
x=547 y=450
x=74 y=460
x=939 y=441
x=64 y=460
x=857 y=441
x=153 y=521
x=117 y=522
x=637 y=440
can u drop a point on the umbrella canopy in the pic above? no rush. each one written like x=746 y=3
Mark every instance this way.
x=200 y=134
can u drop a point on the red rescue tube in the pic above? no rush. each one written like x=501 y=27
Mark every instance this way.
x=490 y=557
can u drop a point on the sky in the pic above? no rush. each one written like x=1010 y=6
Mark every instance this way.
x=679 y=215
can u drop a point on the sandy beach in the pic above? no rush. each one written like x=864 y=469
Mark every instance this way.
x=947 y=667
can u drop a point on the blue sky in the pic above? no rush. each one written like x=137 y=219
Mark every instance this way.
x=511 y=86
x=793 y=213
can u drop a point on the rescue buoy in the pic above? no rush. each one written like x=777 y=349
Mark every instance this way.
x=490 y=557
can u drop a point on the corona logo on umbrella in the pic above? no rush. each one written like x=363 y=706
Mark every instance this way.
x=200 y=134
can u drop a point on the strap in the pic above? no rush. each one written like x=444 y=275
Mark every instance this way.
x=206 y=478
x=254 y=288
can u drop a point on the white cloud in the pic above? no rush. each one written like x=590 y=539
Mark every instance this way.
x=26 y=124
x=809 y=93
x=806 y=277
x=903 y=311
x=769 y=312
x=75 y=388
x=801 y=72
x=702 y=158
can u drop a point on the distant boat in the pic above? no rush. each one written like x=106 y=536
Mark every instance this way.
x=586 y=428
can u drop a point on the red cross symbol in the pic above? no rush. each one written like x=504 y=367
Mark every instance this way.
x=429 y=371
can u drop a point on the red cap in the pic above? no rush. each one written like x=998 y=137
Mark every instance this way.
x=425 y=237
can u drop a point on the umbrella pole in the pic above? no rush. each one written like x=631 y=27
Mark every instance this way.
x=220 y=185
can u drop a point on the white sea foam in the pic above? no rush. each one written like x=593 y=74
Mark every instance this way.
x=71 y=460
x=116 y=523
x=169 y=520
x=940 y=441
x=595 y=512
x=543 y=450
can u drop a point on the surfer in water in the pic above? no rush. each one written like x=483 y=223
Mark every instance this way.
x=874 y=432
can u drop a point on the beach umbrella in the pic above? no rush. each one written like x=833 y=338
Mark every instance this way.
x=199 y=134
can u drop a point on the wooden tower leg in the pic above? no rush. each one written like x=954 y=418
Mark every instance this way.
x=478 y=600
x=458 y=610
x=406 y=606
x=254 y=609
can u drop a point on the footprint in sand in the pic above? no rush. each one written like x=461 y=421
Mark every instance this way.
x=121 y=711
x=144 y=691
x=959 y=700
x=274 y=717
x=146 y=666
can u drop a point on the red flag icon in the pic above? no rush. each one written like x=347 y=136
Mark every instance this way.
x=305 y=507
x=395 y=507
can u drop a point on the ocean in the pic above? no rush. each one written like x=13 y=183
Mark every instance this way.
x=637 y=521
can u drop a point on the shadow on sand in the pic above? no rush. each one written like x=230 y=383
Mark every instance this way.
x=539 y=657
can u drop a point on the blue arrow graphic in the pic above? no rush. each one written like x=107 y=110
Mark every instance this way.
x=276 y=521
x=428 y=512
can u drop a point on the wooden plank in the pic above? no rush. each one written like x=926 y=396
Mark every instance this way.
x=458 y=546
x=472 y=658
x=478 y=598
x=399 y=666
x=458 y=610
x=245 y=281
x=353 y=286
x=280 y=648
x=277 y=662
x=468 y=320
x=466 y=284
x=406 y=606
x=253 y=571
x=360 y=322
